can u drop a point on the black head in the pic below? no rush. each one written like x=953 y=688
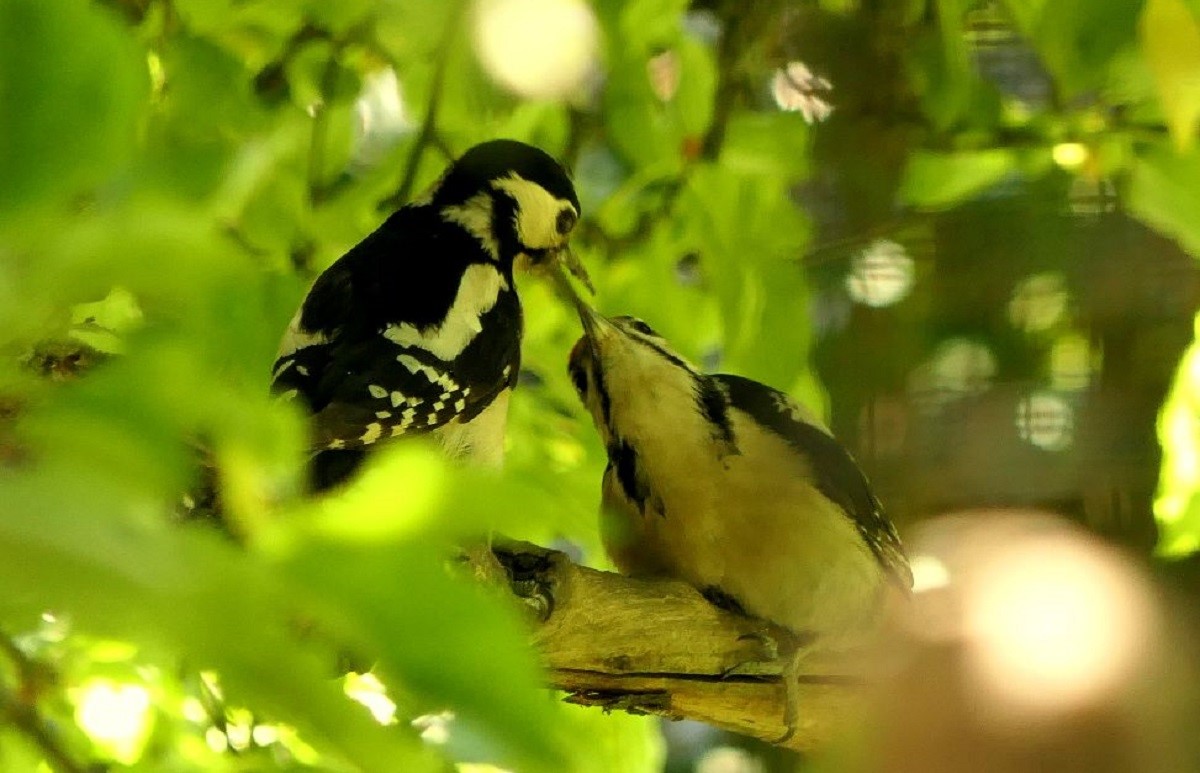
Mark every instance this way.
x=530 y=204
x=476 y=169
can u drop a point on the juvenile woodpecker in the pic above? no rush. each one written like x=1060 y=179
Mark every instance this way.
x=417 y=329
x=732 y=486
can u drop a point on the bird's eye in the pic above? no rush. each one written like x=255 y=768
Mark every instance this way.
x=566 y=221
x=641 y=327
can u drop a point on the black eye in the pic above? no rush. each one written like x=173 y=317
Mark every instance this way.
x=566 y=221
x=641 y=327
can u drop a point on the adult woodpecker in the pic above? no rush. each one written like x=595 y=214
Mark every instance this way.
x=417 y=329
x=732 y=486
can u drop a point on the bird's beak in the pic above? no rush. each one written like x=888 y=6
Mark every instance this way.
x=575 y=266
x=594 y=324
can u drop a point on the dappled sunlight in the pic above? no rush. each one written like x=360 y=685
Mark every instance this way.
x=1177 y=507
x=117 y=717
x=372 y=693
x=965 y=232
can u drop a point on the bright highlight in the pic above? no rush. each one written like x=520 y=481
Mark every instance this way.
x=1055 y=623
x=115 y=716
x=372 y=693
x=542 y=49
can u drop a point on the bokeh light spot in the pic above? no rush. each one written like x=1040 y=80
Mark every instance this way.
x=880 y=275
x=1055 y=622
x=728 y=759
x=929 y=573
x=1046 y=420
x=1070 y=155
x=542 y=49
x=115 y=716
x=1072 y=362
x=1039 y=302
x=372 y=693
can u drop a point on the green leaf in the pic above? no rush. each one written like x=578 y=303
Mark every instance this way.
x=443 y=638
x=616 y=741
x=697 y=87
x=940 y=180
x=647 y=24
x=1170 y=35
x=64 y=65
x=1078 y=39
x=118 y=568
x=1177 y=506
x=1164 y=191
x=750 y=236
x=767 y=143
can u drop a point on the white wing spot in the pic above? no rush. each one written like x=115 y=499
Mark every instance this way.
x=478 y=291
x=303 y=371
x=377 y=391
x=432 y=419
x=383 y=414
x=439 y=405
x=414 y=366
x=459 y=405
x=373 y=433
x=399 y=398
x=337 y=445
x=283 y=366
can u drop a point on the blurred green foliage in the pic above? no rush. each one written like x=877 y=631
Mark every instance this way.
x=175 y=172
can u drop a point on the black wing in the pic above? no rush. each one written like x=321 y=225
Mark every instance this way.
x=838 y=476
x=362 y=387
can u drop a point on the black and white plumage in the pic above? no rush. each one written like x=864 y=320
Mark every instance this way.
x=417 y=329
x=732 y=486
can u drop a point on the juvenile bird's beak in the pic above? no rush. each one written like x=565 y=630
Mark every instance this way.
x=594 y=324
x=573 y=264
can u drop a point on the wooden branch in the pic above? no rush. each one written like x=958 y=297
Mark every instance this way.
x=659 y=647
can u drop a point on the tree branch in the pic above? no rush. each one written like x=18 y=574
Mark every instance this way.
x=18 y=709
x=659 y=647
x=427 y=134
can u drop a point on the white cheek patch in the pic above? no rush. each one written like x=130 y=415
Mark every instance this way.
x=537 y=212
x=478 y=291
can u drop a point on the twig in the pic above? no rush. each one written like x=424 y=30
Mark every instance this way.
x=427 y=134
x=17 y=709
x=320 y=128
